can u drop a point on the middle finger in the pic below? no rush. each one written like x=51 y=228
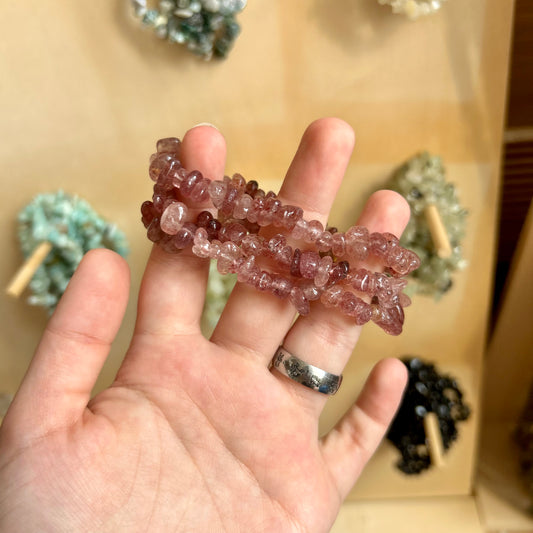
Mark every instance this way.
x=254 y=323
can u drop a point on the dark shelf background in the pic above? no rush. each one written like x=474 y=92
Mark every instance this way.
x=517 y=161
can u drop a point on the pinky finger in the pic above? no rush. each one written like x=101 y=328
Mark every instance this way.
x=350 y=444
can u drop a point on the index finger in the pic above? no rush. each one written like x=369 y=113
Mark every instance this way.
x=173 y=288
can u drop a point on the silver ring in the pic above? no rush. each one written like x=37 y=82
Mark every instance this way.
x=308 y=375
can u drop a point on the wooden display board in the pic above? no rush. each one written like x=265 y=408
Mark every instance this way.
x=85 y=94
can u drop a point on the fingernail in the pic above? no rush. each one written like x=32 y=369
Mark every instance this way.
x=206 y=124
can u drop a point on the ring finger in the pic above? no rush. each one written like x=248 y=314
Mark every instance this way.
x=326 y=338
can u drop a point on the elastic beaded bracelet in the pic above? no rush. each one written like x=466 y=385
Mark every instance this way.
x=300 y=274
x=422 y=182
x=427 y=391
x=70 y=227
x=206 y=27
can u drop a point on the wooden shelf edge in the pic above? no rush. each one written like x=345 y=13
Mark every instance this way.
x=415 y=515
x=501 y=495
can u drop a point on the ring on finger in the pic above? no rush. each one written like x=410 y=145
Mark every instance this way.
x=308 y=375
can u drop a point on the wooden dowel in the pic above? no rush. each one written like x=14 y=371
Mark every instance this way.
x=434 y=439
x=27 y=270
x=438 y=231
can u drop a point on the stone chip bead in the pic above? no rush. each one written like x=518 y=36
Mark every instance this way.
x=311 y=292
x=338 y=272
x=283 y=257
x=251 y=188
x=324 y=241
x=276 y=243
x=264 y=281
x=217 y=192
x=288 y=216
x=185 y=236
x=155 y=233
x=243 y=205
x=230 y=199
x=408 y=263
x=213 y=228
x=323 y=270
x=161 y=164
x=252 y=245
x=173 y=217
x=188 y=184
x=338 y=246
x=247 y=269
x=357 y=243
x=378 y=245
x=314 y=230
x=353 y=306
x=238 y=181
x=300 y=229
x=203 y=219
x=170 y=145
x=234 y=232
x=332 y=296
x=364 y=281
x=309 y=263
x=281 y=286
x=147 y=213
x=228 y=258
x=299 y=301
x=389 y=319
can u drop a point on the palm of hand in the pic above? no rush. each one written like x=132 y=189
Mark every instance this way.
x=161 y=452
x=194 y=435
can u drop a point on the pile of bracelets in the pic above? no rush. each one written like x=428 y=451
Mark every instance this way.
x=73 y=228
x=318 y=269
x=427 y=391
x=422 y=182
x=206 y=27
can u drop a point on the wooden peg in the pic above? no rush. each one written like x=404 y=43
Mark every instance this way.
x=434 y=439
x=438 y=231
x=27 y=270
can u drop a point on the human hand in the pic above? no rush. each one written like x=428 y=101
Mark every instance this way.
x=194 y=435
